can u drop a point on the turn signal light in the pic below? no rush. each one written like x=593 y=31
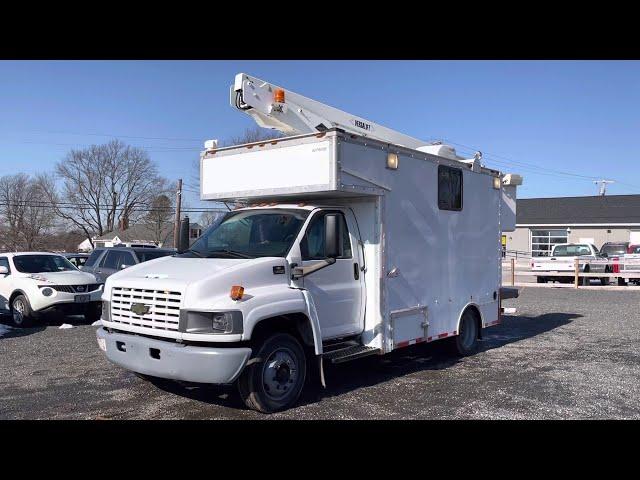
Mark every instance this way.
x=237 y=292
x=278 y=95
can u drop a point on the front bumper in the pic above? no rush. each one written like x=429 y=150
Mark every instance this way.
x=175 y=361
x=62 y=300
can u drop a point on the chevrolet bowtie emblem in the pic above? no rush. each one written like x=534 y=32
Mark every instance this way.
x=140 y=308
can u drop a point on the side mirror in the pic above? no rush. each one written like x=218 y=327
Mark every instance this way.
x=332 y=242
x=4 y=270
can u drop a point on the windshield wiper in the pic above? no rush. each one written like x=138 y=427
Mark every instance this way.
x=229 y=252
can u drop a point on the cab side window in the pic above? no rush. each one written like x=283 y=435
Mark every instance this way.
x=126 y=258
x=312 y=245
x=4 y=262
x=111 y=260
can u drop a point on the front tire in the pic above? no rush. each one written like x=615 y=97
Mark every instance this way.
x=466 y=342
x=21 y=313
x=275 y=380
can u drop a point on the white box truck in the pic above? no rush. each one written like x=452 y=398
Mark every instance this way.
x=354 y=240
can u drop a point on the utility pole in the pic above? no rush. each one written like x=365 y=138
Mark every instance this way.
x=603 y=186
x=176 y=227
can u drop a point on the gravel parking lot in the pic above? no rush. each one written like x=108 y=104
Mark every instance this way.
x=565 y=354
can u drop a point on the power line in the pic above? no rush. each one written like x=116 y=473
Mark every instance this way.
x=533 y=168
x=170 y=139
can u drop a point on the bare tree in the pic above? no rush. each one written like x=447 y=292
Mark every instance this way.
x=209 y=218
x=102 y=185
x=24 y=212
x=250 y=135
x=159 y=219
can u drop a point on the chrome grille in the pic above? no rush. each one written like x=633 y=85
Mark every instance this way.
x=75 y=288
x=164 y=307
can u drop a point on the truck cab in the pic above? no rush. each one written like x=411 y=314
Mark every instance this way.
x=253 y=265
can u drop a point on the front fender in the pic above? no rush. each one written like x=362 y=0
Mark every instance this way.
x=277 y=302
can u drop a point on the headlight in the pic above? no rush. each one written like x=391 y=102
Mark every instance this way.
x=106 y=312
x=213 y=322
x=47 y=292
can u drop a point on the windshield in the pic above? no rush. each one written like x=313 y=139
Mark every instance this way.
x=250 y=234
x=42 y=263
x=612 y=250
x=571 y=250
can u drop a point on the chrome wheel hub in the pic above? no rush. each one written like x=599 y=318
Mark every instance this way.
x=280 y=373
x=18 y=312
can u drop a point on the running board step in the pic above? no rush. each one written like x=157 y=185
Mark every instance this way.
x=350 y=353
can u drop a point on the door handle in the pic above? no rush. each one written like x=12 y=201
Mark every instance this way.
x=356 y=271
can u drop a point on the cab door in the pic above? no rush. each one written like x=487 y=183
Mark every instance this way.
x=338 y=289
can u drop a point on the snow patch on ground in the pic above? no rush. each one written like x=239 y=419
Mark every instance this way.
x=65 y=326
x=4 y=329
x=509 y=310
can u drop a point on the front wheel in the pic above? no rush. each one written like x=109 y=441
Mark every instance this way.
x=21 y=313
x=466 y=343
x=274 y=381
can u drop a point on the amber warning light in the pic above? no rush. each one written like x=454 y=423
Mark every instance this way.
x=278 y=95
x=236 y=292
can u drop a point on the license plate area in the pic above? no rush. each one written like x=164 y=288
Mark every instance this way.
x=81 y=298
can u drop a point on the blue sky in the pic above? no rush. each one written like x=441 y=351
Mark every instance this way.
x=536 y=118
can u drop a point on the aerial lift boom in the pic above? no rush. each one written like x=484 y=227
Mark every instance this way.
x=274 y=107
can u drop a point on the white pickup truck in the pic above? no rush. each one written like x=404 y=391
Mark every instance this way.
x=562 y=260
x=631 y=262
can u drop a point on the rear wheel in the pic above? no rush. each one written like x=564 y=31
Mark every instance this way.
x=21 y=313
x=605 y=280
x=275 y=380
x=466 y=342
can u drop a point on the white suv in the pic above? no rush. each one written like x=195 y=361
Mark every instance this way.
x=36 y=283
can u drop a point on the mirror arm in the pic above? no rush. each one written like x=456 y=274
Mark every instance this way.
x=300 y=272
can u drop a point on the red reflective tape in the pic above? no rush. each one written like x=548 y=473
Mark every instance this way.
x=402 y=344
x=429 y=339
x=442 y=335
x=420 y=340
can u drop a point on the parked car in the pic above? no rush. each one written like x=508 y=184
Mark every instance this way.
x=614 y=252
x=631 y=262
x=562 y=260
x=34 y=284
x=112 y=259
x=77 y=259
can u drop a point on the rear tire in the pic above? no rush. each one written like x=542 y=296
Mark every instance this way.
x=275 y=381
x=21 y=313
x=466 y=342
